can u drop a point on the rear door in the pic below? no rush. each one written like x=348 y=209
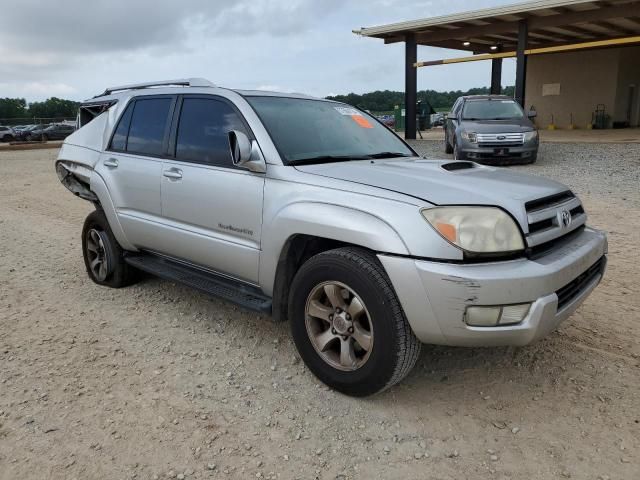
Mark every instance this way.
x=132 y=166
x=212 y=210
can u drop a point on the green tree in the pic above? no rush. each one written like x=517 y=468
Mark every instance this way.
x=13 y=107
x=53 y=108
x=386 y=100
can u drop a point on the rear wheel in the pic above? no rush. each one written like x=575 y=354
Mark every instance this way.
x=103 y=256
x=348 y=325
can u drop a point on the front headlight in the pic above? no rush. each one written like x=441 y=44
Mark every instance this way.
x=476 y=229
x=470 y=137
x=528 y=136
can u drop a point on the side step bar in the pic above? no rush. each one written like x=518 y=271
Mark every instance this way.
x=231 y=290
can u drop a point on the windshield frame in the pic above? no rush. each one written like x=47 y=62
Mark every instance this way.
x=489 y=100
x=293 y=163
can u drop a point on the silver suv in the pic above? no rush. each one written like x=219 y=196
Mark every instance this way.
x=313 y=211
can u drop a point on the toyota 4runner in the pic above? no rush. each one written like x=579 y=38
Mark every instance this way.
x=316 y=213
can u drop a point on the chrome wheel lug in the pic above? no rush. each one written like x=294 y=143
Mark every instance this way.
x=350 y=330
x=333 y=330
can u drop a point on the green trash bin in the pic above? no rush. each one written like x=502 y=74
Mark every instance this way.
x=398 y=113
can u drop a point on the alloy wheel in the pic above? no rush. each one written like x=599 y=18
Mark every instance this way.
x=339 y=325
x=97 y=254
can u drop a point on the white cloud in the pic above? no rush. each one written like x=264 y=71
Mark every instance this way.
x=80 y=47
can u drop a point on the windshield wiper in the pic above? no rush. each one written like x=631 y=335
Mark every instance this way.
x=389 y=155
x=327 y=159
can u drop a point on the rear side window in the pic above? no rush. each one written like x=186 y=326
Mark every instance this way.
x=119 y=140
x=148 y=126
x=203 y=131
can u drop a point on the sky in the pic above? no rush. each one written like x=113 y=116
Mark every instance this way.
x=80 y=47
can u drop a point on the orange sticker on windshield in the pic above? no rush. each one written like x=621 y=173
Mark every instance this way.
x=360 y=120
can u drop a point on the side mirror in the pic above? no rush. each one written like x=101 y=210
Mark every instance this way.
x=245 y=153
x=532 y=114
x=240 y=147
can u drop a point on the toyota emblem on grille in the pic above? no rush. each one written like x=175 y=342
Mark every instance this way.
x=564 y=218
x=501 y=137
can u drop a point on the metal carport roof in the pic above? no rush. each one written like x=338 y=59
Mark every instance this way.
x=550 y=22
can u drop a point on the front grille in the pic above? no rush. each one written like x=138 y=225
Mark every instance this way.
x=500 y=139
x=544 y=218
x=574 y=288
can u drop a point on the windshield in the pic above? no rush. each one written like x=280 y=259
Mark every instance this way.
x=491 y=110
x=313 y=131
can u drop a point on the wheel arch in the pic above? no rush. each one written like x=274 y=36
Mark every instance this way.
x=99 y=188
x=301 y=231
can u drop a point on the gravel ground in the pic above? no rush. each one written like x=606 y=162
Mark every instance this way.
x=159 y=381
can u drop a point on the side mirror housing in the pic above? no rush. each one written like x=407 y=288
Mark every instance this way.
x=532 y=114
x=245 y=153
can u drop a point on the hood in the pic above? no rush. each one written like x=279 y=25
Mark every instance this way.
x=429 y=181
x=513 y=125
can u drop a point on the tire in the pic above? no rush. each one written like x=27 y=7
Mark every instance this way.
x=447 y=146
x=456 y=152
x=393 y=347
x=99 y=242
x=7 y=138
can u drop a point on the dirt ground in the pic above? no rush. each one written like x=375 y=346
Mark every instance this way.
x=159 y=381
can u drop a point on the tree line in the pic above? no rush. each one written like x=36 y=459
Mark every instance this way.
x=18 y=108
x=386 y=100
x=378 y=101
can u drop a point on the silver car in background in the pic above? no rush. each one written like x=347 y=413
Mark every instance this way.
x=491 y=129
x=313 y=212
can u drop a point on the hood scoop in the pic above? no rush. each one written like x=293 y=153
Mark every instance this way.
x=453 y=166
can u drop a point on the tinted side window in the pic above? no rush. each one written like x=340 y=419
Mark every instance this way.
x=119 y=140
x=202 y=131
x=148 y=125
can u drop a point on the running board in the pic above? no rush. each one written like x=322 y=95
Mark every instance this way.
x=227 y=289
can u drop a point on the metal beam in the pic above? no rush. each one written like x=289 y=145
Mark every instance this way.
x=612 y=42
x=496 y=76
x=521 y=61
x=410 y=86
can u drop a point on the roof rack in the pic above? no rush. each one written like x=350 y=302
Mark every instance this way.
x=184 y=82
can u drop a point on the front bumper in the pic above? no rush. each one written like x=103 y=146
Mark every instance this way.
x=473 y=151
x=435 y=295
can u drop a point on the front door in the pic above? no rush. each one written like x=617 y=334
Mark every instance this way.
x=212 y=210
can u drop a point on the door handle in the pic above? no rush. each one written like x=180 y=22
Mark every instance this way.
x=112 y=162
x=173 y=173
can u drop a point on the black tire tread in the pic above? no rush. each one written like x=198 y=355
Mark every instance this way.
x=123 y=274
x=408 y=346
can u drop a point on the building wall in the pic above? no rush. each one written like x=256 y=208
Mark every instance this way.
x=627 y=104
x=585 y=78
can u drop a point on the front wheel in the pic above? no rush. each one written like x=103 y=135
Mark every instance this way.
x=103 y=256
x=447 y=146
x=457 y=155
x=348 y=325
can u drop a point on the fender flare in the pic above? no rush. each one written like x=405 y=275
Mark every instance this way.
x=99 y=187
x=323 y=220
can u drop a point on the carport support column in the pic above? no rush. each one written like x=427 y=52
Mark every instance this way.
x=521 y=62
x=410 y=86
x=496 y=76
